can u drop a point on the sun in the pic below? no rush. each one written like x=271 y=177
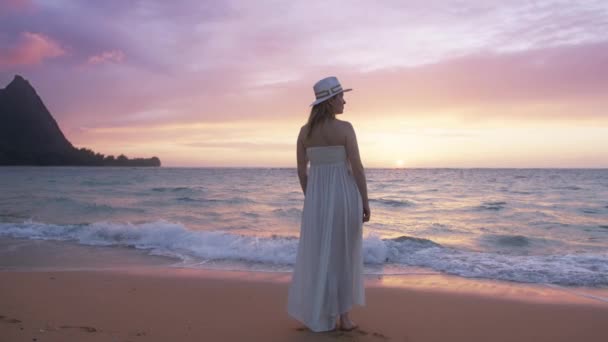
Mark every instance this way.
x=399 y=163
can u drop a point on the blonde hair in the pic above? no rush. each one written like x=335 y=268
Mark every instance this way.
x=319 y=113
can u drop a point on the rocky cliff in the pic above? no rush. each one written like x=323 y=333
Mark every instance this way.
x=29 y=135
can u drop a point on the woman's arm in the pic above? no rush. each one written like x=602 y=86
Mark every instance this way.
x=352 y=152
x=302 y=162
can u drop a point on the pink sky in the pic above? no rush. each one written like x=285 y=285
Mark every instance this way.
x=209 y=83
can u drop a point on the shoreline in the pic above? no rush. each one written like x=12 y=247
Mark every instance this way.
x=161 y=304
x=25 y=255
x=123 y=294
x=427 y=283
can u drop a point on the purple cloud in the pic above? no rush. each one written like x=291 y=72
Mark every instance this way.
x=210 y=61
x=29 y=49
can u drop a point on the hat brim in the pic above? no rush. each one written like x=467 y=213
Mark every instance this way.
x=317 y=101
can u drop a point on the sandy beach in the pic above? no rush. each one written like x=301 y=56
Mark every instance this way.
x=164 y=304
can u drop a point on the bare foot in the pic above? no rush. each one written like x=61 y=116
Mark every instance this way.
x=346 y=323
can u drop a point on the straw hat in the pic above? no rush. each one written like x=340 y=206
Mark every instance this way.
x=326 y=88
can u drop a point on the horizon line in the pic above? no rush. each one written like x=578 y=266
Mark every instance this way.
x=294 y=167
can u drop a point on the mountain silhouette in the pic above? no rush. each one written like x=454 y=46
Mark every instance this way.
x=29 y=135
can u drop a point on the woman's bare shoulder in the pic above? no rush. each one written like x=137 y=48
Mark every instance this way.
x=344 y=126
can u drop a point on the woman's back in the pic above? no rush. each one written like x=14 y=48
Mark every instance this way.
x=331 y=132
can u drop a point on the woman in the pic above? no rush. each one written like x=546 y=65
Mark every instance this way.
x=328 y=274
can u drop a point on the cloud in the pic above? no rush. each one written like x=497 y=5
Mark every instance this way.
x=239 y=145
x=114 y=56
x=232 y=60
x=399 y=34
x=30 y=48
x=15 y=5
x=575 y=74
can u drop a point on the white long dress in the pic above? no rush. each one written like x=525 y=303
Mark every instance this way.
x=328 y=274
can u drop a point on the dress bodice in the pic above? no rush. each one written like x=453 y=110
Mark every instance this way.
x=326 y=154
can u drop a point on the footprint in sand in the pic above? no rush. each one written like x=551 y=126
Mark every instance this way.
x=361 y=332
x=342 y=334
x=9 y=320
x=379 y=335
x=83 y=328
x=337 y=334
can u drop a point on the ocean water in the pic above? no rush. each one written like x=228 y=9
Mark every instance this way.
x=547 y=226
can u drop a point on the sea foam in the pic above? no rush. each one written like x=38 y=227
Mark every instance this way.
x=176 y=240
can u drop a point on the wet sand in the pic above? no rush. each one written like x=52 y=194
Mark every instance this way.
x=164 y=304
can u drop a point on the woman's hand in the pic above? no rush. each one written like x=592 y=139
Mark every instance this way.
x=366 y=213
